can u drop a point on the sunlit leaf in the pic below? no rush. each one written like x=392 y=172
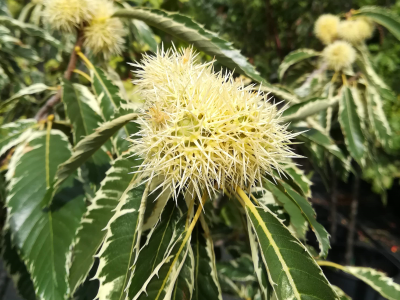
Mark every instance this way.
x=42 y=234
x=122 y=243
x=90 y=235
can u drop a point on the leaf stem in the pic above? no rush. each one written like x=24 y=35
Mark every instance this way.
x=246 y=199
x=83 y=74
x=344 y=79
x=330 y=264
x=84 y=58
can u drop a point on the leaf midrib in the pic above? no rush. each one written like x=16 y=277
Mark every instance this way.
x=276 y=248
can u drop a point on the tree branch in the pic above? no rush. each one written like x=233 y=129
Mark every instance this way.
x=48 y=106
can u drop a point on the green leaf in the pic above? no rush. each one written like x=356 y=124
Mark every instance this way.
x=90 y=144
x=154 y=271
x=295 y=57
x=350 y=123
x=293 y=272
x=29 y=90
x=12 y=134
x=186 y=29
x=90 y=236
x=382 y=16
x=259 y=268
x=305 y=109
x=84 y=113
x=43 y=234
x=16 y=268
x=30 y=30
x=377 y=117
x=206 y=285
x=122 y=243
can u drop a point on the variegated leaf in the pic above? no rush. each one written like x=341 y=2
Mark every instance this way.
x=293 y=58
x=350 y=123
x=90 y=144
x=106 y=92
x=155 y=272
x=377 y=280
x=365 y=64
x=317 y=137
x=287 y=260
x=82 y=109
x=266 y=289
x=303 y=110
x=381 y=16
x=43 y=234
x=113 y=106
x=288 y=193
x=206 y=285
x=186 y=29
x=377 y=117
x=122 y=243
x=156 y=202
x=90 y=235
x=29 y=90
x=297 y=219
x=30 y=30
x=123 y=138
x=183 y=289
x=12 y=134
x=310 y=215
x=300 y=178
